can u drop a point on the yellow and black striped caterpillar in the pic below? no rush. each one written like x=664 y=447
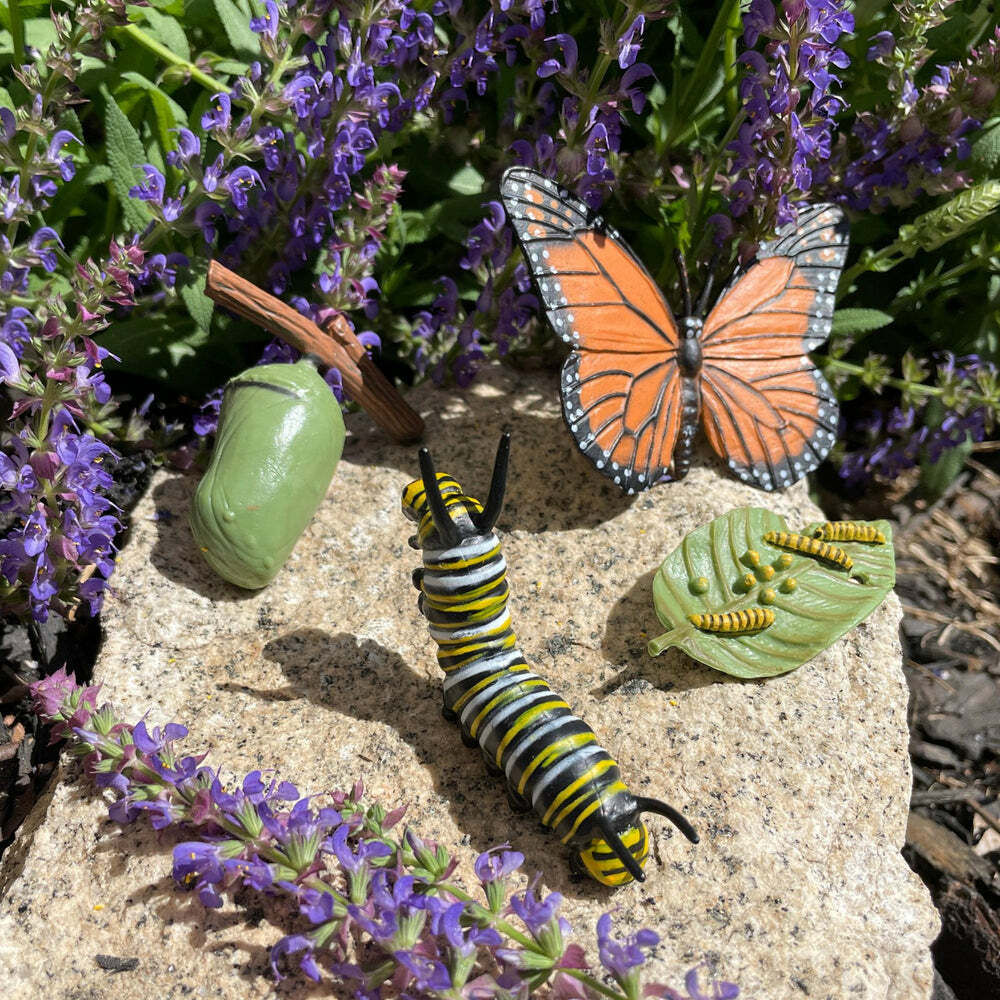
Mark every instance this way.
x=551 y=759
x=810 y=547
x=734 y=622
x=849 y=531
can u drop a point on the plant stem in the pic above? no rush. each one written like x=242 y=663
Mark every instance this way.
x=913 y=388
x=32 y=146
x=694 y=92
x=17 y=33
x=149 y=43
x=706 y=188
x=865 y=264
x=733 y=31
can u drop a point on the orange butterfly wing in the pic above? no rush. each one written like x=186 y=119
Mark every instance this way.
x=621 y=389
x=766 y=408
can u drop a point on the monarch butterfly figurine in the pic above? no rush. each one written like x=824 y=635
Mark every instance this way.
x=637 y=381
x=551 y=759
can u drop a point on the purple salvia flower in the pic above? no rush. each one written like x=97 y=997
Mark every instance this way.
x=219 y=118
x=882 y=45
x=268 y=24
x=420 y=937
x=551 y=66
x=628 y=44
x=622 y=958
x=787 y=140
x=535 y=913
x=10 y=368
x=427 y=973
x=292 y=945
x=239 y=182
x=157 y=741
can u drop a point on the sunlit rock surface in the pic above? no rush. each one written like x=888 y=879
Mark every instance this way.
x=798 y=785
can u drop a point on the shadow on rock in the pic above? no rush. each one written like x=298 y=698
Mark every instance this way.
x=363 y=679
x=206 y=928
x=631 y=623
x=551 y=485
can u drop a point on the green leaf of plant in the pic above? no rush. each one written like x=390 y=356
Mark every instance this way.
x=169 y=114
x=237 y=27
x=167 y=29
x=151 y=345
x=39 y=33
x=986 y=146
x=936 y=477
x=466 y=180
x=234 y=67
x=826 y=602
x=97 y=174
x=853 y=321
x=125 y=153
x=192 y=291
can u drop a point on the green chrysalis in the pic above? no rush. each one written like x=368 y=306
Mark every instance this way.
x=280 y=436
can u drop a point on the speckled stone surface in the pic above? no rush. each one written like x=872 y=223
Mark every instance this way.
x=799 y=785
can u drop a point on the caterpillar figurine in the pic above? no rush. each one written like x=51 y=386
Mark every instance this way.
x=734 y=622
x=810 y=546
x=551 y=759
x=849 y=531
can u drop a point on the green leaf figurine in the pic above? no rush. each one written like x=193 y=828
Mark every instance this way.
x=746 y=595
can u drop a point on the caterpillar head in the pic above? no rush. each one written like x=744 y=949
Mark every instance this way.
x=444 y=514
x=618 y=850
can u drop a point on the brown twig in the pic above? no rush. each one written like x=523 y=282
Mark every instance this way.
x=337 y=346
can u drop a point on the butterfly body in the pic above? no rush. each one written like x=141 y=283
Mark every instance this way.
x=689 y=357
x=639 y=382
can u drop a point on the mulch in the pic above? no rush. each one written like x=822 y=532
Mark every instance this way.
x=948 y=579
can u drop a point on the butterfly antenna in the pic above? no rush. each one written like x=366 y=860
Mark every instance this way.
x=707 y=290
x=498 y=485
x=682 y=274
x=662 y=809
x=623 y=854
x=442 y=520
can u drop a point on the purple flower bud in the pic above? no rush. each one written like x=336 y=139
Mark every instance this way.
x=159 y=738
x=291 y=945
x=188 y=148
x=621 y=957
x=427 y=973
x=8 y=125
x=38 y=244
x=535 y=913
x=153 y=189
x=268 y=24
x=758 y=20
x=883 y=45
x=10 y=368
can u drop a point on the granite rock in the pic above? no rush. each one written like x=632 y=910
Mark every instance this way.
x=799 y=785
